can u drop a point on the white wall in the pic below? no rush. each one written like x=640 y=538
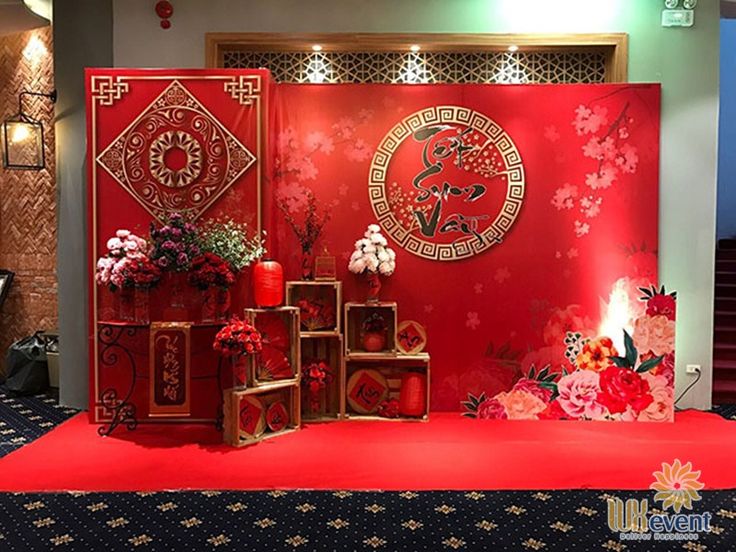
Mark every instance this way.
x=685 y=61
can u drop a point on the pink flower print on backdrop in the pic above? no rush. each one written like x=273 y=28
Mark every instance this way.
x=628 y=159
x=473 y=321
x=318 y=141
x=589 y=121
x=502 y=274
x=551 y=133
x=590 y=206
x=602 y=179
x=358 y=150
x=293 y=195
x=581 y=228
x=564 y=197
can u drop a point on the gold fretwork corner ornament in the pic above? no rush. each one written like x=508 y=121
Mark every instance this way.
x=244 y=89
x=106 y=89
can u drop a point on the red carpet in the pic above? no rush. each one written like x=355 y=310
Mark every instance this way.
x=449 y=452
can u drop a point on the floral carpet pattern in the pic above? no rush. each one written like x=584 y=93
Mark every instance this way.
x=342 y=520
x=319 y=520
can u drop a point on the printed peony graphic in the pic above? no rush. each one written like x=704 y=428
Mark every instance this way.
x=585 y=378
x=578 y=395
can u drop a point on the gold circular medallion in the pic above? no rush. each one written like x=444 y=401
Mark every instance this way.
x=446 y=183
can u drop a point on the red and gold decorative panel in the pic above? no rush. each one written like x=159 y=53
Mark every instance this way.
x=165 y=141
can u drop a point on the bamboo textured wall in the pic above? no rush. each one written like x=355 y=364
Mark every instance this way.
x=28 y=198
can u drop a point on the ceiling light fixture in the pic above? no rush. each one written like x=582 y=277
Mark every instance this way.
x=415 y=48
x=316 y=47
x=513 y=48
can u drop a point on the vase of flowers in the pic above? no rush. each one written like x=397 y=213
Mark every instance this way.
x=213 y=276
x=238 y=340
x=175 y=245
x=307 y=233
x=233 y=242
x=316 y=376
x=127 y=270
x=373 y=335
x=373 y=257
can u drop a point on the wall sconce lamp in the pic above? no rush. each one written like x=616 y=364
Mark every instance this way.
x=22 y=138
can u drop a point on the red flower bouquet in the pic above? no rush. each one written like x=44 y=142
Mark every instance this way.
x=238 y=337
x=316 y=375
x=210 y=270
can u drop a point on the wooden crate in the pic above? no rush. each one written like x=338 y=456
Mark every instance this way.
x=234 y=399
x=392 y=368
x=330 y=404
x=326 y=297
x=356 y=314
x=279 y=328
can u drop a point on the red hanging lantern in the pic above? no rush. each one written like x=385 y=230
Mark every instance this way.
x=413 y=394
x=164 y=10
x=268 y=280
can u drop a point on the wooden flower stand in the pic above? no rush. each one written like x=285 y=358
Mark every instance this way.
x=356 y=314
x=390 y=369
x=279 y=361
x=320 y=305
x=329 y=405
x=252 y=415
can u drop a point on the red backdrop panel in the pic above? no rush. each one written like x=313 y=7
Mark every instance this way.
x=162 y=141
x=569 y=202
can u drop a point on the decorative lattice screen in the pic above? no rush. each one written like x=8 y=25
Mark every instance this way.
x=425 y=67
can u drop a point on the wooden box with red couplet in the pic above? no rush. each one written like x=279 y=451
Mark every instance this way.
x=252 y=415
x=370 y=381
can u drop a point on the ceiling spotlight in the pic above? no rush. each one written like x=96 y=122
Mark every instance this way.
x=513 y=48
x=316 y=48
x=415 y=48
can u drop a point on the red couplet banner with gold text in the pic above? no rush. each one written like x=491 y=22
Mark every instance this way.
x=514 y=211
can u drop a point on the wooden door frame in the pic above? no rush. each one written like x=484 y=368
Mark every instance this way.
x=615 y=46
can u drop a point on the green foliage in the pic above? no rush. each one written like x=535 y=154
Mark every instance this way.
x=231 y=241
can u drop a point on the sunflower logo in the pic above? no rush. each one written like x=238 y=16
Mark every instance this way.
x=677 y=486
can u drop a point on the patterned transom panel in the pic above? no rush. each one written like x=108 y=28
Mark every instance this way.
x=425 y=67
x=176 y=156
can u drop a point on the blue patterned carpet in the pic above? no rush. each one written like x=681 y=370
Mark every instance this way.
x=317 y=520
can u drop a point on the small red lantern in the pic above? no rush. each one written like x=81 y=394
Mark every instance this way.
x=164 y=10
x=413 y=394
x=268 y=281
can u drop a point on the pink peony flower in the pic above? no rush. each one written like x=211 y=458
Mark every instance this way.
x=654 y=334
x=520 y=405
x=578 y=394
x=533 y=387
x=491 y=409
x=561 y=321
x=661 y=409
